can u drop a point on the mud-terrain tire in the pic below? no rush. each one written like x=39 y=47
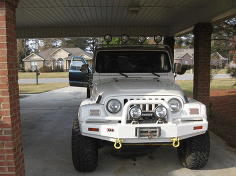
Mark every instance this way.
x=194 y=152
x=84 y=150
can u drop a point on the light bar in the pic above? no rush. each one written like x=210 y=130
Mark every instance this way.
x=157 y=39
x=108 y=38
x=124 y=38
x=141 y=39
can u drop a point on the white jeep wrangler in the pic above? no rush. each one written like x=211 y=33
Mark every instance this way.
x=134 y=100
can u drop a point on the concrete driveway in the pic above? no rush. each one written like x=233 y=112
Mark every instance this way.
x=47 y=120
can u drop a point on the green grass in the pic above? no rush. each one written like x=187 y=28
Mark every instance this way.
x=214 y=71
x=32 y=75
x=218 y=84
x=33 y=88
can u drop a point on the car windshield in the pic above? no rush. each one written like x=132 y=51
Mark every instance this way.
x=132 y=62
x=76 y=65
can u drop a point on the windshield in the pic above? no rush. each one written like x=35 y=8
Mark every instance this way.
x=132 y=62
x=76 y=65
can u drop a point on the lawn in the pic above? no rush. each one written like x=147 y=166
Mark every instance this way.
x=31 y=75
x=33 y=88
x=214 y=71
x=217 y=84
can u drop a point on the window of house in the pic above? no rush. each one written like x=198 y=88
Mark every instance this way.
x=33 y=65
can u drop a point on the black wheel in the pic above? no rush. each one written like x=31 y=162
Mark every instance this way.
x=84 y=150
x=194 y=152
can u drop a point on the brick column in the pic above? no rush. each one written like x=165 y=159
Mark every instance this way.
x=202 y=50
x=11 y=156
x=170 y=40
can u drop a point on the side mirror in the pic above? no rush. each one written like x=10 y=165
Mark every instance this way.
x=179 y=69
x=84 y=68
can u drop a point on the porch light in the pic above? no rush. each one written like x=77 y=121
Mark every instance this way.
x=157 y=39
x=124 y=38
x=108 y=38
x=141 y=39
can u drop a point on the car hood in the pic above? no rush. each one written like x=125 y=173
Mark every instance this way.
x=132 y=86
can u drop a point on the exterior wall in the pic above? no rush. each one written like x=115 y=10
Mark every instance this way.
x=187 y=61
x=61 y=54
x=11 y=155
x=33 y=58
x=27 y=65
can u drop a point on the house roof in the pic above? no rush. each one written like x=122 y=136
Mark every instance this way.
x=217 y=55
x=46 y=54
x=78 y=52
x=33 y=54
x=180 y=53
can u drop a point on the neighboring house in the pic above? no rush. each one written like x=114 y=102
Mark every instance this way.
x=183 y=56
x=218 y=61
x=54 y=58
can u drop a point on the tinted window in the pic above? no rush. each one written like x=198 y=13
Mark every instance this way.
x=132 y=62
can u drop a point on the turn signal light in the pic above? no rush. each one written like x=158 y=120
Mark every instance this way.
x=194 y=111
x=93 y=129
x=197 y=127
x=94 y=112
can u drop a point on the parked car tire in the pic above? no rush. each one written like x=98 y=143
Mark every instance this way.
x=84 y=150
x=194 y=152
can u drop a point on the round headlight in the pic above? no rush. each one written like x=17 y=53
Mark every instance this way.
x=175 y=105
x=113 y=106
x=161 y=111
x=135 y=112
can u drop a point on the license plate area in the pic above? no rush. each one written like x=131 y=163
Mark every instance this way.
x=148 y=132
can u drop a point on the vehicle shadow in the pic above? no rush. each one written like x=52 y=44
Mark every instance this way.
x=163 y=160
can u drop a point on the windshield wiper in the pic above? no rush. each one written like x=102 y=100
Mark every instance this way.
x=124 y=75
x=156 y=75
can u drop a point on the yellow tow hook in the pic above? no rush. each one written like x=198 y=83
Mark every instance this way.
x=118 y=144
x=175 y=142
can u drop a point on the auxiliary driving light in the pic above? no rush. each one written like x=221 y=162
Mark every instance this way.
x=157 y=39
x=141 y=39
x=108 y=38
x=124 y=38
x=160 y=111
x=135 y=112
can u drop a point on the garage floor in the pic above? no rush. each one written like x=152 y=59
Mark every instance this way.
x=47 y=120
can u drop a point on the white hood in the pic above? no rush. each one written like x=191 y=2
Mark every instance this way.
x=135 y=86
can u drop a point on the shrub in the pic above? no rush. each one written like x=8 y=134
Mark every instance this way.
x=58 y=69
x=45 y=69
x=232 y=71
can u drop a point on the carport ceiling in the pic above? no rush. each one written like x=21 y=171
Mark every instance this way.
x=68 y=18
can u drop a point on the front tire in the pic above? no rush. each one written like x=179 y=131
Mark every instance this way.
x=194 y=152
x=84 y=150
